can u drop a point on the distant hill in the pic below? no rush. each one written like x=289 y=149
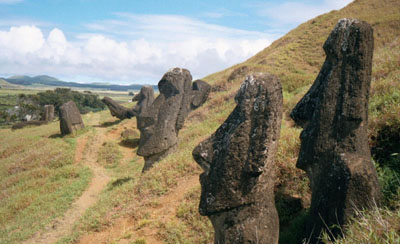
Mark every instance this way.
x=5 y=85
x=51 y=81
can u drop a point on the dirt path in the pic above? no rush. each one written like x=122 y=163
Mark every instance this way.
x=125 y=229
x=86 y=154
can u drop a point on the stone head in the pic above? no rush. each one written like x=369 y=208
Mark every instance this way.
x=158 y=124
x=336 y=104
x=234 y=158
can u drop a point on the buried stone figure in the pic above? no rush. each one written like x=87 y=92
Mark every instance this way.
x=334 y=143
x=159 y=121
x=237 y=186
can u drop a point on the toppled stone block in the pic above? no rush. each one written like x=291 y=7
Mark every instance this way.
x=70 y=118
x=334 y=142
x=118 y=110
x=24 y=124
x=237 y=186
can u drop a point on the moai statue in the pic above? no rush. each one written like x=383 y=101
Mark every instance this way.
x=334 y=141
x=118 y=110
x=159 y=121
x=48 y=113
x=200 y=92
x=237 y=186
x=70 y=118
x=144 y=99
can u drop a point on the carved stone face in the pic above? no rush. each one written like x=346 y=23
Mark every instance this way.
x=332 y=110
x=334 y=142
x=158 y=123
x=234 y=156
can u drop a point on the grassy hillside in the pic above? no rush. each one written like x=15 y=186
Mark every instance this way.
x=297 y=57
x=161 y=206
x=38 y=180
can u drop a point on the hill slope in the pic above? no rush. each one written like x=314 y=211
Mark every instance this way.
x=5 y=85
x=161 y=206
x=297 y=57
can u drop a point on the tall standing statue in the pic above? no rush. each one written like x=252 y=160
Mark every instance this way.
x=334 y=142
x=237 y=186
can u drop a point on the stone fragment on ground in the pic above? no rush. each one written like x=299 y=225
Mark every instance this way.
x=70 y=118
x=118 y=110
x=48 y=114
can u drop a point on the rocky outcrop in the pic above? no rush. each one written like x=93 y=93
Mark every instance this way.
x=160 y=121
x=70 y=118
x=48 y=114
x=118 y=110
x=237 y=186
x=334 y=142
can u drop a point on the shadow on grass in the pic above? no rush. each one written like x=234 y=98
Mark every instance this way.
x=108 y=124
x=24 y=124
x=130 y=143
x=57 y=135
x=292 y=218
x=119 y=182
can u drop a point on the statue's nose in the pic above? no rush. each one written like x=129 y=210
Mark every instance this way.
x=203 y=154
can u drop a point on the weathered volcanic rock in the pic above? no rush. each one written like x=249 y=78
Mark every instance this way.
x=200 y=92
x=118 y=110
x=334 y=143
x=128 y=134
x=160 y=122
x=70 y=118
x=145 y=99
x=23 y=124
x=237 y=186
x=48 y=114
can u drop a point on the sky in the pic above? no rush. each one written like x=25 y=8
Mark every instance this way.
x=136 y=41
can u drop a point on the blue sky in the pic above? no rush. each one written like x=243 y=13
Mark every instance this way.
x=134 y=41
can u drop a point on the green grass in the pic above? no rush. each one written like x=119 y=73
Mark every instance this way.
x=296 y=58
x=378 y=226
x=109 y=155
x=38 y=180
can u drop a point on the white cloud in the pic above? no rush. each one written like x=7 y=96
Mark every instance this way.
x=298 y=12
x=131 y=48
x=24 y=39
